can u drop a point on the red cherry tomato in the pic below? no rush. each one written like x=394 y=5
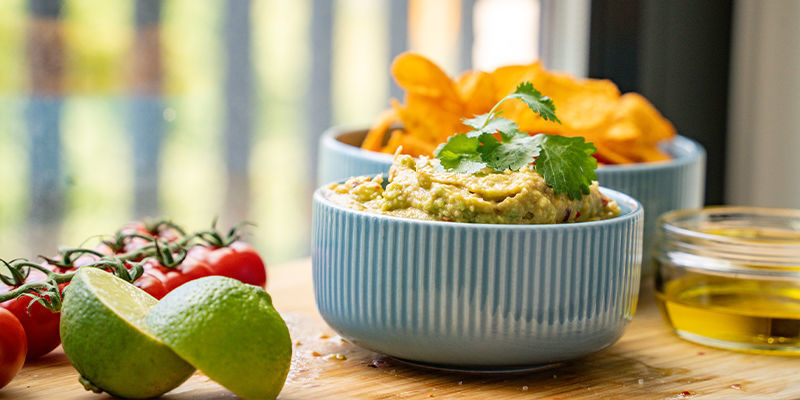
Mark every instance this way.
x=190 y=269
x=135 y=243
x=13 y=346
x=152 y=285
x=200 y=253
x=40 y=324
x=161 y=232
x=87 y=258
x=238 y=261
x=194 y=269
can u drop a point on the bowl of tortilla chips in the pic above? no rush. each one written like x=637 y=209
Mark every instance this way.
x=639 y=151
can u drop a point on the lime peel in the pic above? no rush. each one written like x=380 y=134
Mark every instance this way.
x=228 y=330
x=104 y=337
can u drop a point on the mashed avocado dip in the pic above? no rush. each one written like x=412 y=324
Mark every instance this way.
x=418 y=189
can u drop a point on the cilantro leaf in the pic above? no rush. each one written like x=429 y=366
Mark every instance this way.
x=515 y=134
x=537 y=102
x=488 y=144
x=491 y=123
x=567 y=165
x=460 y=153
x=470 y=165
x=513 y=155
x=477 y=122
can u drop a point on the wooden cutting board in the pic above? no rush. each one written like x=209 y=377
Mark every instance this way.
x=649 y=362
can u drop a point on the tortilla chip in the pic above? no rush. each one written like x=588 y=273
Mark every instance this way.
x=528 y=121
x=424 y=117
x=415 y=146
x=374 y=139
x=395 y=140
x=421 y=77
x=608 y=155
x=627 y=139
x=636 y=129
x=506 y=79
x=580 y=104
x=634 y=108
x=477 y=92
x=625 y=128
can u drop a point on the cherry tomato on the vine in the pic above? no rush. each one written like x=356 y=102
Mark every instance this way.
x=39 y=323
x=152 y=285
x=161 y=232
x=87 y=258
x=188 y=270
x=238 y=261
x=13 y=346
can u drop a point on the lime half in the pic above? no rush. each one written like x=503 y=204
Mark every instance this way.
x=105 y=338
x=229 y=331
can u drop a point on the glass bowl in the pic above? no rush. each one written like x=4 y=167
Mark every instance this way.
x=729 y=277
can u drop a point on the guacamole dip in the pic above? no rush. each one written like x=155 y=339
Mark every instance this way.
x=417 y=188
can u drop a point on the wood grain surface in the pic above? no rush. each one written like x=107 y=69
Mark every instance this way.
x=649 y=362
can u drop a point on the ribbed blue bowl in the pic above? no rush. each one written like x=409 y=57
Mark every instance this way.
x=660 y=187
x=476 y=296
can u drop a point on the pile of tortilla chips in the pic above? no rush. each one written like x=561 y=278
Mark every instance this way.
x=625 y=128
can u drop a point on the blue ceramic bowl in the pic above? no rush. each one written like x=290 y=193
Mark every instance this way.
x=476 y=296
x=660 y=186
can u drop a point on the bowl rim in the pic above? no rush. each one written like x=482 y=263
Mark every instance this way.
x=330 y=138
x=636 y=210
x=692 y=150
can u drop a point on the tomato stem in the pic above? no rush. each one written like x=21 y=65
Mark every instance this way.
x=67 y=260
x=165 y=256
x=17 y=277
x=126 y=265
x=46 y=291
x=215 y=239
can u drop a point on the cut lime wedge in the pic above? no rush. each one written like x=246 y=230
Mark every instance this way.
x=104 y=336
x=228 y=330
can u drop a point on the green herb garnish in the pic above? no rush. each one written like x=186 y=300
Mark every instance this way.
x=566 y=163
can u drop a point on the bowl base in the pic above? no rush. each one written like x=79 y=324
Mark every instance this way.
x=478 y=370
x=768 y=349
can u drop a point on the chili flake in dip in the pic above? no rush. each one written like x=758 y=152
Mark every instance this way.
x=419 y=189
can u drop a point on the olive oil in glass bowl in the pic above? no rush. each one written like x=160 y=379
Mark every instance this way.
x=729 y=277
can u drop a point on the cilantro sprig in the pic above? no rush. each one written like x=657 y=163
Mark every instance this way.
x=566 y=163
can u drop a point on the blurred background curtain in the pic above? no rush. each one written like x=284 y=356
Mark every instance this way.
x=119 y=109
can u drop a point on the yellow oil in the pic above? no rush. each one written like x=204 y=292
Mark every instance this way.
x=783 y=236
x=750 y=315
